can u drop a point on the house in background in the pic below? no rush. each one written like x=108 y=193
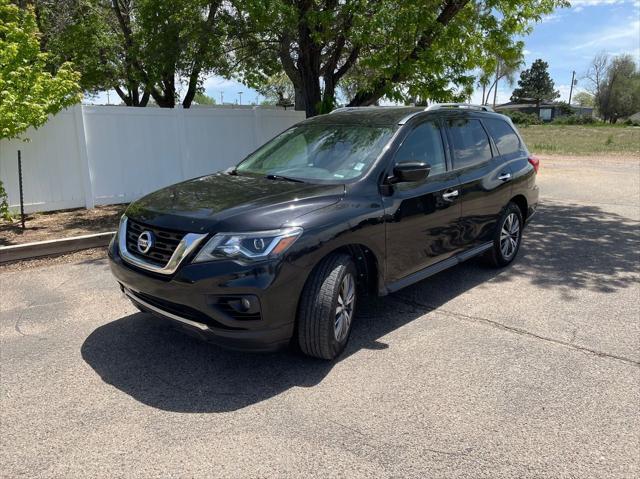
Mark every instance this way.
x=547 y=111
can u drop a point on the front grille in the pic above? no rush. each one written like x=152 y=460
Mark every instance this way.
x=166 y=242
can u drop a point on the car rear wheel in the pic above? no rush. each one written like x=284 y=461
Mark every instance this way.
x=327 y=307
x=508 y=237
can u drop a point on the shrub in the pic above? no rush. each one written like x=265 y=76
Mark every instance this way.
x=564 y=108
x=4 y=204
x=523 y=119
x=575 y=120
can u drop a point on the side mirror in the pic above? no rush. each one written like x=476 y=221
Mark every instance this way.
x=409 y=172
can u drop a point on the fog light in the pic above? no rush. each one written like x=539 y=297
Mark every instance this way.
x=246 y=304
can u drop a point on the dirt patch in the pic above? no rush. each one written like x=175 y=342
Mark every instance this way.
x=86 y=255
x=61 y=224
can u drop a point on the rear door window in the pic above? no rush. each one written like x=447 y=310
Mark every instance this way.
x=503 y=135
x=469 y=141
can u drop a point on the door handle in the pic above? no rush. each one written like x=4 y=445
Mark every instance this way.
x=450 y=195
x=505 y=177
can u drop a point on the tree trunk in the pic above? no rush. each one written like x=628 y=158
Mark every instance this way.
x=191 y=90
x=123 y=96
x=309 y=64
x=311 y=92
x=166 y=97
x=299 y=99
x=145 y=98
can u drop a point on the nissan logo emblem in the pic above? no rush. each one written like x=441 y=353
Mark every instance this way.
x=145 y=242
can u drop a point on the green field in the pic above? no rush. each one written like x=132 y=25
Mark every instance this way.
x=582 y=140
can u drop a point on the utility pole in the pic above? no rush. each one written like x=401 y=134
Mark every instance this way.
x=240 y=95
x=221 y=98
x=573 y=81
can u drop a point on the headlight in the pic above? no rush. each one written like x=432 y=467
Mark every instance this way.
x=253 y=246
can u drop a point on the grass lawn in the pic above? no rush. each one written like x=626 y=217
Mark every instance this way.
x=582 y=140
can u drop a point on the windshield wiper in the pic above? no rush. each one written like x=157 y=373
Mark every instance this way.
x=280 y=177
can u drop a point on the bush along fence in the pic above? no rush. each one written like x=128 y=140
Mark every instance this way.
x=98 y=155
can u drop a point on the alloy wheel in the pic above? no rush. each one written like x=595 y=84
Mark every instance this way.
x=345 y=307
x=509 y=236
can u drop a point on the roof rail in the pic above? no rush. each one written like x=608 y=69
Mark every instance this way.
x=438 y=106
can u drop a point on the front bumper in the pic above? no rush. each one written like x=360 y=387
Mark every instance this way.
x=195 y=298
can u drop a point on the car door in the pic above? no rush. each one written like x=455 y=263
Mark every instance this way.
x=422 y=218
x=484 y=178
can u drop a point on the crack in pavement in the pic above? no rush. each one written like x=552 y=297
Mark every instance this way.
x=520 y=331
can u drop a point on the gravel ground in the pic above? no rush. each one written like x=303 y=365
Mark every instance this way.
x=530 y=371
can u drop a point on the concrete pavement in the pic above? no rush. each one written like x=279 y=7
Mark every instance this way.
x=530 y=371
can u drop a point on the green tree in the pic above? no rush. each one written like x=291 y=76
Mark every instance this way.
x=202 y=98
x=503 y=67
x=277 y=90
x=535 y=84
x=28 y=92
x=81 y=31
x=422 y=49
x=176 y=39
x=583 y=99
x=140 y=48
x=619 y=93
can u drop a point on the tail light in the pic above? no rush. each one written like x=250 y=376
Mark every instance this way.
x=535 y=162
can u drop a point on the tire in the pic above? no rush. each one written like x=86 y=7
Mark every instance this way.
x=507 y=238
x=332 y=283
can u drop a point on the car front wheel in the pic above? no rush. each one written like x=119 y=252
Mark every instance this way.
x=327 y=307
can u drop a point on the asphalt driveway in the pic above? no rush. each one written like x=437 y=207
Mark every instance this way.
x=531 y=371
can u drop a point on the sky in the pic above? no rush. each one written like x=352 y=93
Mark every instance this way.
x=568 y=40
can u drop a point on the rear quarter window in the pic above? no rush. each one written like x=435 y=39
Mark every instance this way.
x=504 y=136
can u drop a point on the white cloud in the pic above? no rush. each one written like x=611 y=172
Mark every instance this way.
x=220 y=83
x=615 y=38
x=551 y=18
x=595 y=3
x=579 y=5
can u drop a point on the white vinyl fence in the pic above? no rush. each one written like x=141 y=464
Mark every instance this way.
x=99 y=155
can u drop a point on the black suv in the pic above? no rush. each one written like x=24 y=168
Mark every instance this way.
x=279 y=249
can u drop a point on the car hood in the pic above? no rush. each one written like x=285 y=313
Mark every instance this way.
x=223 y=202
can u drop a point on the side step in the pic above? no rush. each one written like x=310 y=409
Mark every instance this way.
x=437 y=268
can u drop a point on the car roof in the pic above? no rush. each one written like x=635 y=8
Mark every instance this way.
x=388 y=115
x=370 y=115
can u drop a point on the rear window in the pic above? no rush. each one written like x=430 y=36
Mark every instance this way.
x=506 y=139
x=470 y=142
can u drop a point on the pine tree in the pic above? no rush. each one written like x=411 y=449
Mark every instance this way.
x=535 y=84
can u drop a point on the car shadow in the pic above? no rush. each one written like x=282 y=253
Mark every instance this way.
x=567 y=247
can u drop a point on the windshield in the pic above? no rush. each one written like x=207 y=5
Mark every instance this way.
x=319 y=152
